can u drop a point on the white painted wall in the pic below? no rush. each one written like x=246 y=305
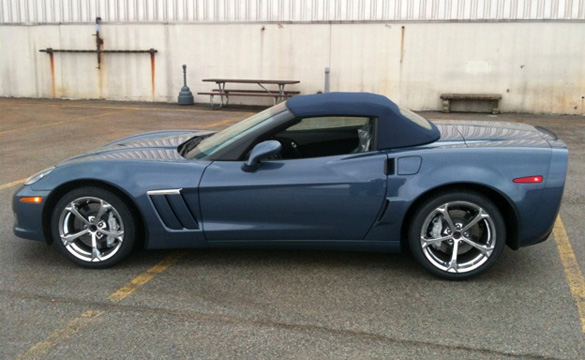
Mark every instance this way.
x=536 y=66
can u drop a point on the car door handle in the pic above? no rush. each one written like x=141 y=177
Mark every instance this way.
x=389 y=166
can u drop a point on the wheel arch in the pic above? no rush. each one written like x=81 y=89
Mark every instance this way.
x=501 y=201
x=63 y=189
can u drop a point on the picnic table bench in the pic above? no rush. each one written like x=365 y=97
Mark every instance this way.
x=493 y=98
x=225 y=94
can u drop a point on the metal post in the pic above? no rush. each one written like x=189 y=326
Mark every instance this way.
x=98 y=41
x=326 y=88
x=184 y=75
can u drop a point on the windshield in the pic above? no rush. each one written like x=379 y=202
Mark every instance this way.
x=225 y=137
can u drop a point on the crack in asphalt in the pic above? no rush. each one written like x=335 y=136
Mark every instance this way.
x=199 y=316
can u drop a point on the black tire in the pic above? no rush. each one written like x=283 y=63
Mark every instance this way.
x=77 y=213
x=478 y=245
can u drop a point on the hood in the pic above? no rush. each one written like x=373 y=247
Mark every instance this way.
x=495 y=134
x=158 y=146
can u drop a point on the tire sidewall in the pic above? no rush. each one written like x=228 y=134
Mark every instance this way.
x=122 y=209
x=430 y=205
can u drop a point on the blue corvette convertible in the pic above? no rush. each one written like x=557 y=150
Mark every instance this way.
x=338 y=171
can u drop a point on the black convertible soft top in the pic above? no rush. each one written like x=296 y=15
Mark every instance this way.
x=396 y=127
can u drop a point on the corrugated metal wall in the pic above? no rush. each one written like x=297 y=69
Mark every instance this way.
x=123 y=11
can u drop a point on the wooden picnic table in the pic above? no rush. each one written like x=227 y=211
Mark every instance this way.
x=225 y=94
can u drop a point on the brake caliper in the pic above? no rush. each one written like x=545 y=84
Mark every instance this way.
x=112 y=227
x=437 y=230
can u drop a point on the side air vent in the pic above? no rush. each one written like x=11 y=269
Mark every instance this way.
x=172 y=209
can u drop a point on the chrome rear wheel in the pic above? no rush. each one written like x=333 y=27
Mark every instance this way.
x=457 y=235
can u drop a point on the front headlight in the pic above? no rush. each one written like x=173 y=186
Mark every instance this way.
x=38 y=176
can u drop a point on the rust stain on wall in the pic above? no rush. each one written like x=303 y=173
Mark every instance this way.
x=52 y=60
x=152 y=73
x=402 y=44
x=101 y=71
x=101 y=82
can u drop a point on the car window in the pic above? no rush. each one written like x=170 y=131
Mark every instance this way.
x=328 y=122
x=326 y=136
x=415 y=118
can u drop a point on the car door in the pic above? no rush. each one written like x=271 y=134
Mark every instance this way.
x=329 y=186
x=325 y=198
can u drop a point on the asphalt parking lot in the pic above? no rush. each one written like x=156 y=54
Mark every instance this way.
x=212 y=304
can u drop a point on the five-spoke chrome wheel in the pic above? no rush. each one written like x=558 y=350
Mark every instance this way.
x=457 y=235
x=93 y=227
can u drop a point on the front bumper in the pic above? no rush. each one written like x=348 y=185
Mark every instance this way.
x=28 y=218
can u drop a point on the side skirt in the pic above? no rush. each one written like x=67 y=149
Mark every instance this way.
x=334 y=245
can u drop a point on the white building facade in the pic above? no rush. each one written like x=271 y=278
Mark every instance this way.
x=532 y=52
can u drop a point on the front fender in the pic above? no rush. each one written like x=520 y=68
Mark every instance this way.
x=135 y=179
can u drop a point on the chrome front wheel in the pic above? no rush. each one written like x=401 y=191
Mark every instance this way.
x=93 y=227
x=457 y=235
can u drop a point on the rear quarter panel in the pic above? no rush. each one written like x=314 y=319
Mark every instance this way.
x=535 y=205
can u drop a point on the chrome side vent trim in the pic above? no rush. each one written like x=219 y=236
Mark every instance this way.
x=164 y=192
x=172 y=209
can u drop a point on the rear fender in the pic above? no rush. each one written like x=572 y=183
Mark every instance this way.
x=490 y=168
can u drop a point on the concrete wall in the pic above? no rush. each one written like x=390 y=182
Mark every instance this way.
x=536 y=66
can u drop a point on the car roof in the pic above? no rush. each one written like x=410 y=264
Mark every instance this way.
x=395 y=129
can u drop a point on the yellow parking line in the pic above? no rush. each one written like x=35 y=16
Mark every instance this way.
x=120 y=109
x=86 y=319
x=11 y=184
x=228 y=120
x=572 y=270
x=143 y=278
x=70 y=329
x=30 y=127
x=123 y=107
x=57 y=123
x=94 y=116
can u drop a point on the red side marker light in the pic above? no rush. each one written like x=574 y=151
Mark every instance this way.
x=529 y=180
x=32 y=199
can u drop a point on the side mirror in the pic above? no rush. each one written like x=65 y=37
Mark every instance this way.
x=260 y=152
